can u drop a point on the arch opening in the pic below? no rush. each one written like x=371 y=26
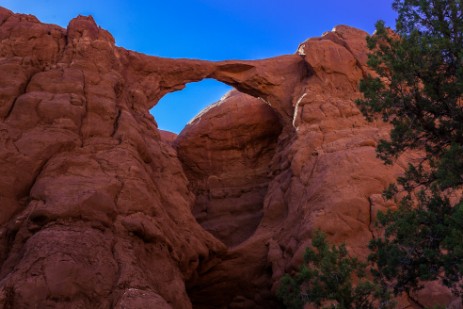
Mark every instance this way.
x=176 y=109
x=227 y=152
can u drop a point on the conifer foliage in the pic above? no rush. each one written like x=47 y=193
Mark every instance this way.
x=326 y=280
x=418 y=88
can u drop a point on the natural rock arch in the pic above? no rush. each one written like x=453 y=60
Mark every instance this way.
x=96 y=209
x=226 y=152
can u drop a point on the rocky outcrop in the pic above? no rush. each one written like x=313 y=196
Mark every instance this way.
x=95 y=207
x=96 y=211
x=226 y=151
x=323 y=174
x=102 y=210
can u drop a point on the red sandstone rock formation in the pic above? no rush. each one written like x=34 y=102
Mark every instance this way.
x=95 y=207
x=324 y=174
x=98 y=206
x=226 y=152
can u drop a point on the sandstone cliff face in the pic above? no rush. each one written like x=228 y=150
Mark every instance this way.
x=226 y=152
x=99 y=209
x=323 y=174
x=95 y=207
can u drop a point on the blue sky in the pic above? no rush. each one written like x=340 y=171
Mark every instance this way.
x=210 y=30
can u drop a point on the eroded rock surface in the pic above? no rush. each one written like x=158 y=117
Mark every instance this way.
x=95 y=206
x=324 y=175
x=227 y=151
x=98 y=206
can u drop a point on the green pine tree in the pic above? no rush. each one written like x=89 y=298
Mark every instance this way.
x=326 y=279
x=418 y=88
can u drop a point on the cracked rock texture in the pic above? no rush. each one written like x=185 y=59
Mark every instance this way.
x=100 y=209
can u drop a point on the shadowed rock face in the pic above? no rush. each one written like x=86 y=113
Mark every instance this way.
x=226 y=152
x=99 y=209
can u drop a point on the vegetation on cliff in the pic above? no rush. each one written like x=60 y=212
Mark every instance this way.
x=418 y=89
x=326 y=279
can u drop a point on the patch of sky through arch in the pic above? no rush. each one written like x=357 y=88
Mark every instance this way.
x=176 y=109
